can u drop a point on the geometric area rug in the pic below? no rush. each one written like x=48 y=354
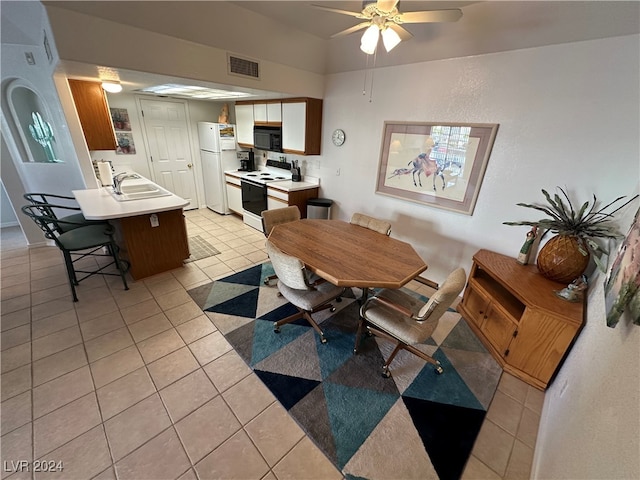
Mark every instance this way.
x=416 y=424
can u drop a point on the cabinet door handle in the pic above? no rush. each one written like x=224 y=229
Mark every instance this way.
x=515 y=334
x=506 y=353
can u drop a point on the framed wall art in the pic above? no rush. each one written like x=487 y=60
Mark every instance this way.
x=436 y=164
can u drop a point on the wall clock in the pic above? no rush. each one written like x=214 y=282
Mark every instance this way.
x=338 y=137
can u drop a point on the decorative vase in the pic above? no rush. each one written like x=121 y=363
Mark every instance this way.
x=563 y=259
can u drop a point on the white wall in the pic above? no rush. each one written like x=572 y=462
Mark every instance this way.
x=568 y=116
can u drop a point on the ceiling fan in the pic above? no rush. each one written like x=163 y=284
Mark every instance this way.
x=383 y=18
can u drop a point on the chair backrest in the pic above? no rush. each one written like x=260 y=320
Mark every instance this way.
x=290 y=270
x=47 y=223
x=271 y=218
x=445 y=296
x=371 y=223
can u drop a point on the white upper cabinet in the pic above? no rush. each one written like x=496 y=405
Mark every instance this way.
x=244 y=125
x=294 y=119
x=267 y=112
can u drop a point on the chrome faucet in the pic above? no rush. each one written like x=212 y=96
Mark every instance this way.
x=119 y=178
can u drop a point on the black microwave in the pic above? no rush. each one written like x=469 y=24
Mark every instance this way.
x=267 y=138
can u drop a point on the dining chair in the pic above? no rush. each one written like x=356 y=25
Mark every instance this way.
x=79 y=241
x=405 y=320
x=305 y=290
x=69 y=222
x=371 y=223
x=277 y=216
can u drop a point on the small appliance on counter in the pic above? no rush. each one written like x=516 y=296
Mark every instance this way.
x=247 y=161
x=104 y=171
x=295 y=171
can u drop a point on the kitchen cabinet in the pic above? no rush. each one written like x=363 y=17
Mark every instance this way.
x=279 y=198
x=516 y=314
x=93 y=112
x=244 y=124
x=302 y=126
x=267 y=113
x=234 y=194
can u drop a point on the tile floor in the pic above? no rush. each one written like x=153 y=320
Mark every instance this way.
x=139 y=384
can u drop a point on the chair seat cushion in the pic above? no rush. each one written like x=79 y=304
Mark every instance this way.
x=85 y=237
x=310 y=299
x=396 y=324
x=76 y=218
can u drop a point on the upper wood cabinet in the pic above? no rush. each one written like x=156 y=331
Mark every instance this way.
x=244 y=124
x=302 y=126
x=93 y=111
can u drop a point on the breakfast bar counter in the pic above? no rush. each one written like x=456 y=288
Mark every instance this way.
x=151 y=232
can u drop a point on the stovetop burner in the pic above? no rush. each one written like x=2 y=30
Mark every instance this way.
x=273 y=174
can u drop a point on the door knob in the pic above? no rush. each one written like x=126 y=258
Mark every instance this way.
x=189 y=165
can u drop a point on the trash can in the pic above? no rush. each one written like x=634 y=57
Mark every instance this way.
x=319 y=208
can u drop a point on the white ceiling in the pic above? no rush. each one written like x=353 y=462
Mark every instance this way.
x=485 y=27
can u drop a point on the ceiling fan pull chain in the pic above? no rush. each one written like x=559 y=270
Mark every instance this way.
x=373 y=71
x=366 y=69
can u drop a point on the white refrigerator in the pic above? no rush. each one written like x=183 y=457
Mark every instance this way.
x=217 y=153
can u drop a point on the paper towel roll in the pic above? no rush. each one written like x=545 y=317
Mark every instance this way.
x=104 y=170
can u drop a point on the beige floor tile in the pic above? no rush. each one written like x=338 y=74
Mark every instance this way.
x=514 y=387
x=162 y=458
x=108 y=344
x=15 y=291
x=136 y=425
x=55 y=293
x=56 y=342
x=195 y=329
x=149 y=327
x=62 y=390
x=16 y=382
x=476 y=470
x=15 y=319
x=108 y=474
x=505 y=412
x=172 y=367
x=97 y=306
x=17 y=446
x=48 y=309
x=306 y=461
x=83 y=457
x=163 y=287
x=48 y=282
x=116 y=365
x=528 y=428
x=15 y=357
x=15 y=304
x=534 y=400
x=208 y=427
x=137 y=293
x=227 y=370
x=16 y=412
x=140 y=311
x=274 y=432
x=217 y=271
x=207 y=262
x=64 y=424
x=160 y=345
x=58 y=364
x=210 y=347
x=58 y=271
x=190 y=275
x=187 y=394
x=15 y=336
x=248 y=398
x=99 y=326
x=120 y=394
x=188 y=475
x=224 y=462
x=238 y=263
x=54 y=324
x=187 y=310
x=493 y=447
x=519 y=467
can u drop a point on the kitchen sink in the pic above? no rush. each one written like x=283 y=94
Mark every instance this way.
x=139 y=191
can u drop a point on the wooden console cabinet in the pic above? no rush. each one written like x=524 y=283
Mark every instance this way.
x=516 y=314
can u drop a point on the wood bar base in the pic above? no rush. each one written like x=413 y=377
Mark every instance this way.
x=153 y=249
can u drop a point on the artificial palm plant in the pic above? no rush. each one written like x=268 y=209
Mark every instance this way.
x=576 y=230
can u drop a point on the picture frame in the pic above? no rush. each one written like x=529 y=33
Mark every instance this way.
x=439 y=164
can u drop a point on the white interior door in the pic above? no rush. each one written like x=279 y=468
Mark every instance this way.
x=167 y=132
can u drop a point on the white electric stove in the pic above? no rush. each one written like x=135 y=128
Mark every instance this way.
x=254 y=190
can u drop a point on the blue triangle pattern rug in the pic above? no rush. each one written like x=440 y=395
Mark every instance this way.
x=416 y=424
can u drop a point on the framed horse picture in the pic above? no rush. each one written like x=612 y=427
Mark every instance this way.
x=436 y=164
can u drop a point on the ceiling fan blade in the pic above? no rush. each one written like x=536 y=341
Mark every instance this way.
x=348 y=31
x=432 y=16
x=336 y=10
x=403 y=33
x=387 y=5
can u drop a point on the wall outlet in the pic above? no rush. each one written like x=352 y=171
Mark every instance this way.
x=154 y=220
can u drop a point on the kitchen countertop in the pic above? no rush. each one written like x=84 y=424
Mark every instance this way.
x=99 y=204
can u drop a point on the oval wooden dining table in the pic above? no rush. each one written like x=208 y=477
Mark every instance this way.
x=349 y=255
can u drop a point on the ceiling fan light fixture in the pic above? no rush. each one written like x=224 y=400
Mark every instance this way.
x=390 y=39
x=369 y=39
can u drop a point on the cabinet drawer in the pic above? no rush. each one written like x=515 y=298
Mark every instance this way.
x=498 y=328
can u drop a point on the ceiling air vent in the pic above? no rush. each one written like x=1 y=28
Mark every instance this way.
x=243 y=67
